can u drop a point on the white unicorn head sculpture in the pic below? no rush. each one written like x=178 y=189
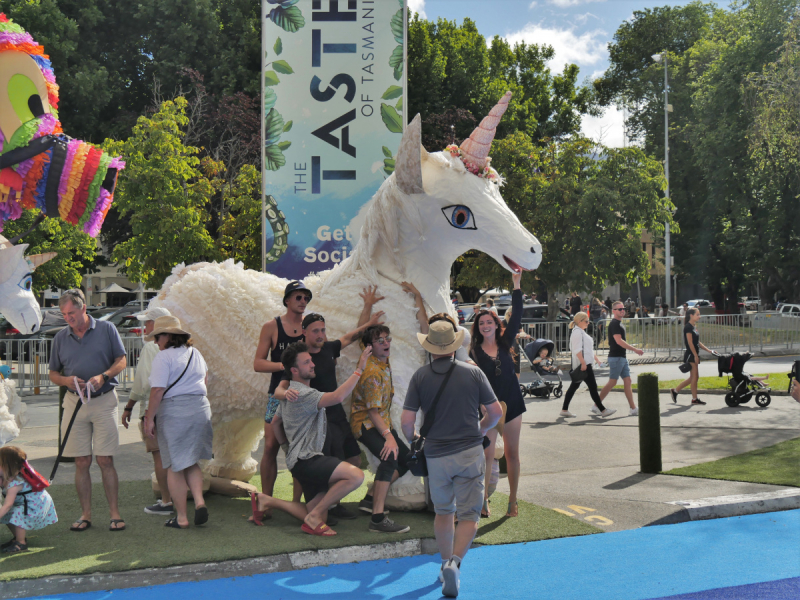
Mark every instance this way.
x=432 y=209
x=17 y=302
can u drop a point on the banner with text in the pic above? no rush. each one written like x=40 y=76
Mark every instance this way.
x=333 y=82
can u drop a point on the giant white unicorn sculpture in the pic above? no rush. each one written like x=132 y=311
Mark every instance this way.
x=432 y=209
x=19 y=306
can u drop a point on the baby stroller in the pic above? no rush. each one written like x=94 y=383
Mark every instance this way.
x=742 y=384
x=548 y=382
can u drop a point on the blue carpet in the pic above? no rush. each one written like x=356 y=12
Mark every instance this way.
x=757 y=556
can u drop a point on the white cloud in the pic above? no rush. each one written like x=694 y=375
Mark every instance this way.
x=567 y=3
x=417 y=6
x=582 y=49
x=532 y=5
x=607 y=128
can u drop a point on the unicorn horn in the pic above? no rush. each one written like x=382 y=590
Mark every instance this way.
x=475 y=149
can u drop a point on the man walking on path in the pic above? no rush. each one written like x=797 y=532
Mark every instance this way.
x=617 y=359
x=454 y=444
x=140 y=392
x=91 y=355
x=574 y=304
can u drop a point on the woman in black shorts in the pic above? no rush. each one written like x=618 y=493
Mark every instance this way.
x=691 y=338
x=491 y=351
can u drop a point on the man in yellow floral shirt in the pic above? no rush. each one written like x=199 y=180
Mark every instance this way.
x=372 y=425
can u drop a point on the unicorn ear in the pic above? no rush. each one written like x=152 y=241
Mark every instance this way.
x=39 y=259
x=408 y=168
x=9 y=259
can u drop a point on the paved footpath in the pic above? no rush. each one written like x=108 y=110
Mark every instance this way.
x=742 y=558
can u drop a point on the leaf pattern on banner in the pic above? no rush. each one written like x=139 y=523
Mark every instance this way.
x=284 y=145
x=278 y=47
x=289 y=19
x=273 y=127
x=287 y=127
x=271 y=78
x=386 y=152
x=392 y=92
x=274 y=158
x=396 y=61
x=388 y=166
x=397 y=26
x=270 y=97
x=399 y=105
x=391 y=119
x=281 y=66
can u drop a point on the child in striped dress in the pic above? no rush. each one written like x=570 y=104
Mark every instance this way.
x=23 y=509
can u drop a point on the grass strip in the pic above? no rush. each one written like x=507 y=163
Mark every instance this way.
x=777 y=381
x=776 y=465
x=55 y=550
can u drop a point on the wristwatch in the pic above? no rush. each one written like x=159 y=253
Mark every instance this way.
x=106 y=377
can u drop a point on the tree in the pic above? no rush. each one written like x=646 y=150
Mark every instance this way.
x=166 y=195
x=76 y=251
x=586 y=204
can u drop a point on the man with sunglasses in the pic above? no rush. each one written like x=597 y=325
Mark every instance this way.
x=276 y=336
x=371 y=423
x=617 y=360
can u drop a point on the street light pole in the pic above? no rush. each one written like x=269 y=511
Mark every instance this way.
x=667 y=254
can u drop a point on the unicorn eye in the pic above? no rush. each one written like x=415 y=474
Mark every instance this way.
x=459 y=216
x=26 y=283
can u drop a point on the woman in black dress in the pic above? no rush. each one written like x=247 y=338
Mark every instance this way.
x=491 y=351
x=691 y=355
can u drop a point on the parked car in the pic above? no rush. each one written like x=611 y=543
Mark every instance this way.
x=706 y=307
x=790 y=310
x=125 y=320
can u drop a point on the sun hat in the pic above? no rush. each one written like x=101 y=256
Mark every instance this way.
x=166 y=324
x=151 y=314
x=293 y=287
x=441 y=339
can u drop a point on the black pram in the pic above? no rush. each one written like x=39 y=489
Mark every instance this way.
x=742 y=384
x=549 y=382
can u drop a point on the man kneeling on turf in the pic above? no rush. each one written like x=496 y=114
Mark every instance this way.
x=325 y=480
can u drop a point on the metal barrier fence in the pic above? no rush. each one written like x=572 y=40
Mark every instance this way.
x=663 y=336
x=29 y=361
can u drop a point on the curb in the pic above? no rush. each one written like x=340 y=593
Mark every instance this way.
x=773 y=393
x=722 y=507
x=95 y=582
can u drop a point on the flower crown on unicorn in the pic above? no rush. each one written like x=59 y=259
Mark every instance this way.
x=474 y=151
x=40 y=167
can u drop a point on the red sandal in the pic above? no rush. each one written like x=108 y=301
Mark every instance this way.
x=258 y=515
x=321 y=530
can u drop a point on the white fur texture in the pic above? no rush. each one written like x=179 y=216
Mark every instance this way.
x=13 y=415
x=403 y=237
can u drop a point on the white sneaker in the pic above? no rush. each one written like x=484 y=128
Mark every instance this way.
x=595 y=410
x=451 y=576
x=608 y=412
x=634 y=412
x=566 y=413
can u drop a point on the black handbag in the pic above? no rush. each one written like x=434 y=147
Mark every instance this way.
x=685 y=367
x=577 y=375
x=416 y=461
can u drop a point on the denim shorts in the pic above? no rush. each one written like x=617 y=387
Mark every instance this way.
x=618 y=367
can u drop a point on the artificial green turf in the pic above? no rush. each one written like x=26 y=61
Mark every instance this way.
x=776 y=465
x=777 y=381
x=55 y=550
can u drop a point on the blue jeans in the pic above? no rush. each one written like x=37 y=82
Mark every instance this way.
x=618 y=367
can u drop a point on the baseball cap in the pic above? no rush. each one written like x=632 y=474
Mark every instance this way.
x=295 y=286
x=151 y=314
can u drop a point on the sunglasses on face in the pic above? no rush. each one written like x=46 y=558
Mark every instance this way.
x=382 y=340
x=300 y=297
x=620 y=308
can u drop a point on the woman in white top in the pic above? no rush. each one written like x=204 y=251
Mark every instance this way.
x=582 y=347
x=178 y=399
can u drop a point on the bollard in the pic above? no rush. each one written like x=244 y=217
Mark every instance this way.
x=649 y=423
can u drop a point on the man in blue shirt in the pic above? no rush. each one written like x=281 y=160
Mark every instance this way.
x=91 y=355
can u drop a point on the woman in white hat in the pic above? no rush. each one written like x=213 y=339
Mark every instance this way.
x=178 y=400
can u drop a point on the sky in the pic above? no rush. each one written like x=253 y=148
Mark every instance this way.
x=578 y=30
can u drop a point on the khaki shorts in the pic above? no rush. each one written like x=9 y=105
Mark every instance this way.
x=150 y=444
x=456 y=483
x=95 y=428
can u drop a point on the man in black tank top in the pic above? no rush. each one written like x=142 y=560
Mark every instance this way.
x=275 y=336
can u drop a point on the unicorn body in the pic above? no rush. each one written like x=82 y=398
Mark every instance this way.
x=429 y=212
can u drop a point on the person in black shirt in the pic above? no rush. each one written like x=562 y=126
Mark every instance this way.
x=691 y=355
x=575 y=304
x=617 y=359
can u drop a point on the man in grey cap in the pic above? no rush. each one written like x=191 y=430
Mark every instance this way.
x=140 y=392
x=454 y=443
